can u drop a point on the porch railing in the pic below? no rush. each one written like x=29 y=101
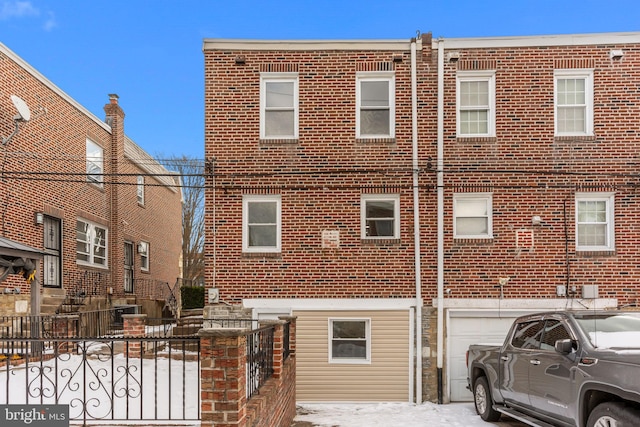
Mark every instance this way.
x=259 y=358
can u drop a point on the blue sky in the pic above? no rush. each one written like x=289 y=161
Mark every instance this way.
x=149 y=52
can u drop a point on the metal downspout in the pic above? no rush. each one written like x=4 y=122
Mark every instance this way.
x=416 y=221
x=440 y=208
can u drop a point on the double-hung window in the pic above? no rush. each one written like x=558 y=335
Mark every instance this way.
x=476 y=103
x=279 y=106
x=375 y=99
x=573 y=102
x=594 y=222
x=143 y=249
x=380 y=216
x=95 y=162
x=350 y=340
x=140 y=189
x=472 y=216
x=91 y=244
x=261 y=223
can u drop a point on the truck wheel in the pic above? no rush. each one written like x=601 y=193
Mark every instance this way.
x=613 y=414
x=483 y=401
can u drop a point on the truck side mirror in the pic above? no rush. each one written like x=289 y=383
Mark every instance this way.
x=564 y=346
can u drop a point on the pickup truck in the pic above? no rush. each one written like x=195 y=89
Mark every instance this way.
x=566 y=368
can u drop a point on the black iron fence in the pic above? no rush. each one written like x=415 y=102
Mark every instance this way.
x=259 y=358
x=108 y=379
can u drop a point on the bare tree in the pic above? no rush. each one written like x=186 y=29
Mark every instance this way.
x=191 y=172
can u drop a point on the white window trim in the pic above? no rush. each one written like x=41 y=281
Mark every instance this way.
x=488 y=198
x=143 y=249
x=377 y=76
x=282 y=77
x=91 y=262
x=395 y=198
x=609 y=198
x=140 y=189
x=582 y=73
x=245 y=223
x=98 y=161
x=474 y=76
x=345 y=360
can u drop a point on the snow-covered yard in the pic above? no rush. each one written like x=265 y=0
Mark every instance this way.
x=393 y=414
x=152 y=375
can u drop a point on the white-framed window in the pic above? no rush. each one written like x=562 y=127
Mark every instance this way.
x=595 y=222
x=140 y=189
x=476 y=100
x=349 y=340
x=143 y=250
x=95 y=162
x=473 y=216
x=573 y=102
x=375 y=105
x=261 y=223
x=380 y=216
x=279 y=105
x=91 y=243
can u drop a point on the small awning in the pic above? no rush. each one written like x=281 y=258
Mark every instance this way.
x=11 y=248
x=16 y=258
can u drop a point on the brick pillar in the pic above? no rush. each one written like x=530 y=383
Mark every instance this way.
x=223 y=356
x=65 y=327
x=134 y=326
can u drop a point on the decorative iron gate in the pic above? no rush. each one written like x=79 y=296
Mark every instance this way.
x=105 y=379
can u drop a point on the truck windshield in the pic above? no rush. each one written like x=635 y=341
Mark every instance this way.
x=615 y=330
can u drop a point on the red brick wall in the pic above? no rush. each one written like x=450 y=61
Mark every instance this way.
x=320 y=178
x=531 y=172
x=44 y=172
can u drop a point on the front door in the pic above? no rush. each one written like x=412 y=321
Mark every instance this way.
x=128 y=267
x=52 y=262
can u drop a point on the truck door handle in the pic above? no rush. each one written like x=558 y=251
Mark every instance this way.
x=504 y=358
x=534 y=362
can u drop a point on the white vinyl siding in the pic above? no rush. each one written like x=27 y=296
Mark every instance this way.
x=385 y=379
x=573 y=102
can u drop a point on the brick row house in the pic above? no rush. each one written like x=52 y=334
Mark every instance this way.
x=405 y=198
x=100 y=216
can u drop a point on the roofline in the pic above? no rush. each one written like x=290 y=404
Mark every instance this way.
x=39 y=76
x=14 y=57
x=540 y=40
x=306 y=45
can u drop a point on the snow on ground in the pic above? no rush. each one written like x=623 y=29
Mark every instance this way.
x=393 y=414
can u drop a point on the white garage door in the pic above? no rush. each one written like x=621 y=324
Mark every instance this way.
x=465 y=328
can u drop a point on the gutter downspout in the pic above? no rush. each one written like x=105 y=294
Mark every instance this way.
x=440 y=208
x=416 y=222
